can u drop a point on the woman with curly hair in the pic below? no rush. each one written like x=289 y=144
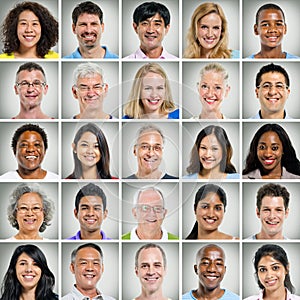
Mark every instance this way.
x=207 y=35
x=31 y=261
x=271 y=155
x=29 y=31
x=150 y=96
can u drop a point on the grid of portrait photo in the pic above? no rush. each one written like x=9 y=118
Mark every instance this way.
x=149 y=149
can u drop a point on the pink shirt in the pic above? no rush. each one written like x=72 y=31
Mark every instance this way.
x=289 y=296
x=139 y=54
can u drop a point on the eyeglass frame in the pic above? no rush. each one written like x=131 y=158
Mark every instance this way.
x=37 y=84
x=271 y=85
x=86 y=88
x=24 y=209
x=150 y=147
x=149 y=208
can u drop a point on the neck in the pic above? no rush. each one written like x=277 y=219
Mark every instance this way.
x=268 y=52
x=208 y=234
x=38 y=173
x=265 y=236
x=90 y=173
x=28 y=236
x=28 y=294
x=92 y=114
x=95 y=52
x=205 y=294
x=31 y=113
x=156 y=174
x=90 y=235
x=205 y=52
x=210 y=115
x=277 y=294
x=91 y=293
x=149 y=235
x=272 y=174
x=153 y=53
x=212 y=173
x=156 y=295
x=26 y=52
x=272 y=115
x=154 y=115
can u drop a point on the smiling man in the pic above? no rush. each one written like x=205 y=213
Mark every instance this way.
x=151 y=22
x=149 y=211
x=88 y=27
x=90 y=211
x=272 y=208
x=87 y=267
x=210 y=269
x=272 y=90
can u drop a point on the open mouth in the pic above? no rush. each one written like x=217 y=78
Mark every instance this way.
x=29 y=221
x=209 y=40
x=89 y=276
x=210 y=221
x=211 y=277
x=31 y=157
x=29 y=38
x=90 y=221
x=89 y=157
x=153 y=101
x=269 y=162
x=272 y=223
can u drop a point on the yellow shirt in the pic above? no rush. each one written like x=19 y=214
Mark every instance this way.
x=50 y=54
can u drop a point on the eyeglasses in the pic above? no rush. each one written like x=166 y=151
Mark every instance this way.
x=36 y=84
x=158 y=209
x=24 y=209
x=148 y=147
x=279 y=86
x=96 y=88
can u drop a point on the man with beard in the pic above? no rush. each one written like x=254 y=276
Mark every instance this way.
x=88 y=26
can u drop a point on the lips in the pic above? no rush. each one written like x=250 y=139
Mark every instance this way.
x=273 y=100
x=90 y=221
x=28 y=277
x=268 y=162
x=210 y=221
x=31 y=157
x=272 y=223
x=29 y=38
x=210 y=101
x=209 y=40
x=89 y=276
x=89 y=36
x=271 y=282
x=29 y=221
x=89 y=157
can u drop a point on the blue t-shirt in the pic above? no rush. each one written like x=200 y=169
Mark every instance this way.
x=235 y=54
x=76 y=54
x=228 y=176
x=228 y=295
x=172 y=115
x=287 y=56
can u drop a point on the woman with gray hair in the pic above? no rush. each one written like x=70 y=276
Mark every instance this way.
x=30 y=211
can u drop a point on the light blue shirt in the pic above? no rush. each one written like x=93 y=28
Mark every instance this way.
x=139 y=54
x=77 y=54
x=228 y=176
x=257 y=116
x=235 y=54
x=228 y=295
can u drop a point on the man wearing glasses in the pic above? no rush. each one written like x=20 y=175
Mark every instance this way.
x=148 y=150
x=90 y=90
x=31 y=86
x=272 y=90
x=149 y=211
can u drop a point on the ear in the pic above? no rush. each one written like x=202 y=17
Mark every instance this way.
x=227 y=90
x=75 y=213
x=134 y=212
x=74 y=92
x=287 y=212
x=256 y=93
x=73 y=28
x=285 y=28
x=105 y=90
x=257 y=212
x=136 y=271
x=134 y=150
x=72 y=269
x=102 y=27
x=167 y=29
x=135 y=26
x=74 y=147
x=16 y=90
x=196 y=269
x=165 y=213
x=255 y=29
x=105 y=214
x=45 y=89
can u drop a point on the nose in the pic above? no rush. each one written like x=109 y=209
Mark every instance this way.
x=268 y=152
x=28 y=28
x=150 y=27
x=151 y=270
x=211 y=267
x=210 y=211
x=210 y=31
x=30 y=148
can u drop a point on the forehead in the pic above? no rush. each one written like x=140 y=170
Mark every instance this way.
x=216 y=77
x=150 y=137
x=29 y=198
x=30 y=135
x=270 y=136
x=211 y=252
x=150 y=196
x=85 y=17
x=270 y=14
x=28 y=15
x=88 y=253
x=30 y=74
x=273 y=76
x=91 y=200
x=212 y=197
x=88 y=136
x=24 y=256
x=272 y=201
x=268 y=260
x=210 y=139
x=150 y=255
x=153 y=77
x=154 y=18
x=90 y=78
x=211 y=19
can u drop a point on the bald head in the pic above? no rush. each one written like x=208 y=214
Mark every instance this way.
x=209 y=248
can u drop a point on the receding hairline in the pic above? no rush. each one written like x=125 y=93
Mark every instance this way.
x=201 y=250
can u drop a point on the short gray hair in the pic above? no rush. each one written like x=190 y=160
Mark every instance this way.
x=18 y=192
x=86 y=70
x=149 y=128
x=149 y=246
x=147 y=188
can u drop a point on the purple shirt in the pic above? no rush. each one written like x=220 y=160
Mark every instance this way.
x=77 y=236
x=139 y=54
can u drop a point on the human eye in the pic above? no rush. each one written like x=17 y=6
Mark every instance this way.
x=37 y=83
x=84 y=144
x=23 y=209
x=36 y=23
x=261 y=147
x=279 y=86
x=96 y=145
x=266 y=209
x=83 y=88
x=202 y=147
x=84 y=207
x=203 y=26
x=275 y=268
x=144 y=23
x=204 y=206
x=218 y=88
x=36 y=209
x=279 y=24
x=216 y=27
x=219 y=208
x=22 y=23
x=204 y=262
x=145 y=208
x=275 y=148
x=83 y=262
x=23 y=145
x=158 y=209
x=215 y=149
x=145 y=147
x=37 y=145
x=204 y=87
x=24 y=83
x=98 y=208
x=157 y=148
x=262 y=269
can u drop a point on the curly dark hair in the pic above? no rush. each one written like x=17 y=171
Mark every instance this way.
x=49 y=26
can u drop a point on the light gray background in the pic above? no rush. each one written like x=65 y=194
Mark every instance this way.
x=7 y=131
x=109 y=282
x=171 y=196
x=69 y=130
x=251 y=42
x=51 y=190
x=231 y=11
x=70 y=105
x=110 y=36
x=230 y=224
x=190 y=132
x=171 y=147
x=249 y=130
x=129 y=69
x=232 y=262
x=250 y=286
x=171 y=280
x=10 y=102
x=51 y=5
x=131 y=41
x=70 y=225
x=251 y=104
x=252 y=224
x=191 y=99
x=50 y=250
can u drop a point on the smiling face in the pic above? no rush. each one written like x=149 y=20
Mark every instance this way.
x=30 y=151
x=272 y=214
x=210 y=267
x=88 y=30
x=150 y=270
x=210 y=152
x=210 y=212
x=271 y=274
x=270 y=27
x=28 y=29
x=269 y=152
x=212 y=90
x=28 y=273
x=87 y=268
x=209 y=31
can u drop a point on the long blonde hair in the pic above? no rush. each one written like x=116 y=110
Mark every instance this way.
x=134 y=107
x=193 y=49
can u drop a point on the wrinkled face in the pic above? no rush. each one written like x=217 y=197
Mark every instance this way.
x=212 y=90
x=88 y=30
x=151 y=32
x=210 y=212
x=271 y=273
x=28 y=273
x=209 y=31
x=30 y=214
x=31 y=96
x=30 y=151
x=210 y=152
x=270 y=151
x=153 y=92
x=271 y=27
x=90 y=92
x=150 y=270
x=28 y=29
x=149 y=211
x=210 y=267
x=272 y=92
x=88 y=150
x=272 y=215
x=149 y=150
x=90 y=213
x=87 y=268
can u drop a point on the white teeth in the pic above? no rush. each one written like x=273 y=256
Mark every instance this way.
x=30 y=157
x=210 y=221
